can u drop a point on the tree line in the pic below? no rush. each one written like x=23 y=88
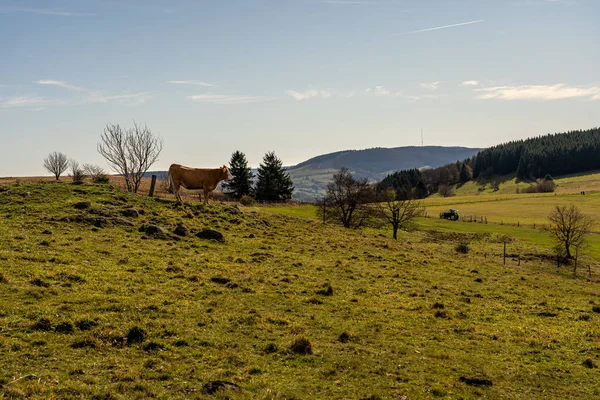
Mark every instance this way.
x=536 y=158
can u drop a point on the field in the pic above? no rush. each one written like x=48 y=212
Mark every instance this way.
x=284 y=307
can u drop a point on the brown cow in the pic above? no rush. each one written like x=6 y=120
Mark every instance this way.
x=197 y=178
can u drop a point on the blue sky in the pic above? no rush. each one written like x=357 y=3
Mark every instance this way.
x=298 y=77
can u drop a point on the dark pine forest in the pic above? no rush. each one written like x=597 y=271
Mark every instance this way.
x=529 y=159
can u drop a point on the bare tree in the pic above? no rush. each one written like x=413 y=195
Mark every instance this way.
x=77 y=173
x=398 y=213
x=56 y=163
x=568 y=226
x=130 y=152
x=346 y=200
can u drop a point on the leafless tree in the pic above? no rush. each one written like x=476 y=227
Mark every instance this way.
x=398 y=213
x=568 y=226
x=77 y=173
x=346 y=200
x=56 y=163
x=130 y=152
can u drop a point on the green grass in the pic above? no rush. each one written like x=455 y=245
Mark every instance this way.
x=384 y=318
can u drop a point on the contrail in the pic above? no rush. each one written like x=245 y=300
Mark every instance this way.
x=443 y=27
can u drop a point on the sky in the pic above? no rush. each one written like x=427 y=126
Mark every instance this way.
x=297 y=77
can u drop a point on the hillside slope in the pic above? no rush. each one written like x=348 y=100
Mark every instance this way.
x=90 y=307
x=311 y=176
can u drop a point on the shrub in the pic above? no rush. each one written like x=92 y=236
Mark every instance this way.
x=77 y=173
x=326 y=291
x=136 y=335
x=96 y=173
x=246 y=200
x=462 y=247
x=301 y=345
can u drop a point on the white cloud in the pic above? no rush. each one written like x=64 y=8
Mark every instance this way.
x=382 y=91
x=322 y=93
x=443 y=27
x=470 y=83
x=21 y=101
x=44 y=12
x=192 y=82
x=35 y=102
x=539 y=92
x=431 y=86
x=225 y=99
x=126 y=99
x=58 y=83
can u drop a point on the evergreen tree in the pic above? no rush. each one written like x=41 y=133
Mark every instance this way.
x=273 y=182
x=421 y=190
x=241 y=184
x=465 y=173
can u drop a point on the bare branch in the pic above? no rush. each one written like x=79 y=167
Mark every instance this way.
x=56 y=164
x=130 y=152
x=568 y=227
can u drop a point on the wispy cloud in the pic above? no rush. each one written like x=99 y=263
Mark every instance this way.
x=37 y=102
x=382 y=91
x=192 y=82
x=320 y=93
x=431 y=85
x=470 y=83
x=58 y=83
x=225 y=99
x=126 y=99
x=539 y=92
x=44 y=11
x=443 y=27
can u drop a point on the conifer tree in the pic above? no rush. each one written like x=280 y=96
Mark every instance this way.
x=241 y=184
x=465 y=173
x=273 y=182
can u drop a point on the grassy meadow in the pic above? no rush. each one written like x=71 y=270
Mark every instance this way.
x=284 y=307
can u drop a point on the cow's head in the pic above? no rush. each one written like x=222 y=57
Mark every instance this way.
x=225 y=173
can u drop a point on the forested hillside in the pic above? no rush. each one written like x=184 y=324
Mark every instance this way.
x=529 y=159
x=558 y=154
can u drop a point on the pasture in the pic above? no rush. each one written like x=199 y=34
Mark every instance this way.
x=285 y=307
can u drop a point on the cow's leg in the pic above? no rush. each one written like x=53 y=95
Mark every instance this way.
x=205 y=195
x=176 y=188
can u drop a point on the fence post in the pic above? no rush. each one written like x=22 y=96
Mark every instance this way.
x=152 y=185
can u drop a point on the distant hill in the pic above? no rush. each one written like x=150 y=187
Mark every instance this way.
x=311 y=176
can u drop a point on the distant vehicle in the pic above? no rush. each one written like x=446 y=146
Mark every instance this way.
x=451 y=214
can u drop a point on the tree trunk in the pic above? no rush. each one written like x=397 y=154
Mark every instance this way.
x=395 y=232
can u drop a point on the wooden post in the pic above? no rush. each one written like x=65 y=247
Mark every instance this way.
x=152 y=185
x=504 y=253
